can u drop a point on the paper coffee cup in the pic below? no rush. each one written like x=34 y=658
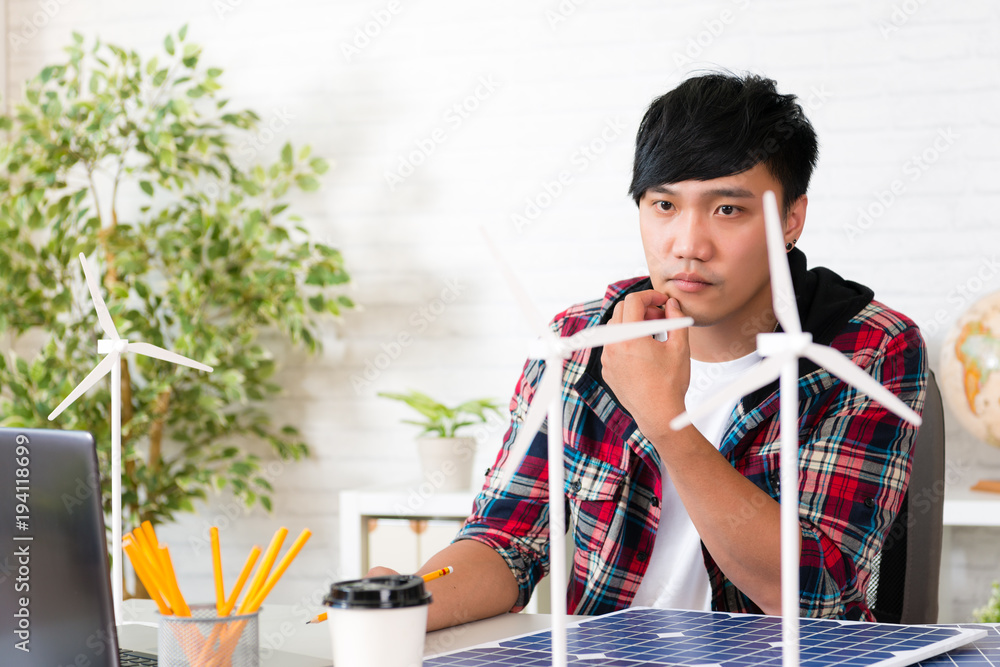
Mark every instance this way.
x=378 y=622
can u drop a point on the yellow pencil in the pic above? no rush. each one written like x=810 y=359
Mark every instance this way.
x=244 y=575
x=289 y=556
x=430 y=576
x=147 y=530
x=143 y=544
x=265 y=568
x=177 y=602
x=220 y=590
x=148 y=579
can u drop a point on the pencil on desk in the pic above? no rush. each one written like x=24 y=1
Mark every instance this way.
x=430 y=576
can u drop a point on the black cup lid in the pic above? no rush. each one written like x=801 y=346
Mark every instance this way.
x=402 y=590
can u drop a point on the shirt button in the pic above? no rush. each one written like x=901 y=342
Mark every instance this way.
x=869 y=503
x=654 y=501
x=575 y=486
x=641 y=556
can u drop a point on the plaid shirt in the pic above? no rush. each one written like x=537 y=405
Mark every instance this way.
x=854 y=469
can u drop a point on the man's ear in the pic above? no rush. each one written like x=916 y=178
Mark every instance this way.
x=795 y=219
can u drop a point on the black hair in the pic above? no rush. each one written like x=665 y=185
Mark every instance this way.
x=721 y=124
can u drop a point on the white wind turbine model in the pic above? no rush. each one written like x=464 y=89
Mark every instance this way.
x=554 y=350
x=781 y=352
x=114 y=347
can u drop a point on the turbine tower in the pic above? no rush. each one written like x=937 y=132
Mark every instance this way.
x=114 y=346
x=781 y=352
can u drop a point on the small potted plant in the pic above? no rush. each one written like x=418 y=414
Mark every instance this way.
x=446 y=457
x=990 y=613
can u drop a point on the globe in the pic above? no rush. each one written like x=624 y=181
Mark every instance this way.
x=970 y=369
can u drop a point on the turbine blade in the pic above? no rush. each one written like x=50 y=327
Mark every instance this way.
x=763 y=374
x=838 y=364
x=166 y=355
x=782 y=294
x=528 y=310
x=100 y=370
x=547 y=389
x=607 y=334
x=103 y=316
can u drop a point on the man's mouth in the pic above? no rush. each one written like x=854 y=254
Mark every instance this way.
x=689 y=282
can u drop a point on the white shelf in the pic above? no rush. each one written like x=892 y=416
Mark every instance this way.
x=963 y=507
x=403 y=501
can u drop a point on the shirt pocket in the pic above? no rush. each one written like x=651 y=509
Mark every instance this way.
x=594 y=493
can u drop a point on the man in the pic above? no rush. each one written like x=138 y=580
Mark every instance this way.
x=691 y=519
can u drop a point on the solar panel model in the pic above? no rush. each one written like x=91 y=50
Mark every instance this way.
x=639 y=637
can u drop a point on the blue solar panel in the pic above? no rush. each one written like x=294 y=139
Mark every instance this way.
x=656 y=637
x=983 y=652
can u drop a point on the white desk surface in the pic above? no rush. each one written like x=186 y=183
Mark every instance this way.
x=287 y=641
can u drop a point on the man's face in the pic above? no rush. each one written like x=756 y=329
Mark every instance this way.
x=705 y=246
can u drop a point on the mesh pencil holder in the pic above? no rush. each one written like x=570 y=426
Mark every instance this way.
x=206 y=640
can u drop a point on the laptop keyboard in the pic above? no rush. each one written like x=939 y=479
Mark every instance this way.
x=135 y=659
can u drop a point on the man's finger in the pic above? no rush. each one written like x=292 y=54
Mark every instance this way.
x=673 y=309
x=643 y=305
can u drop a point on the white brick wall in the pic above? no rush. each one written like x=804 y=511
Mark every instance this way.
x=881 y=80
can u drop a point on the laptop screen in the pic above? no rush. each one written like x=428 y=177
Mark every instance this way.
x=55 y=590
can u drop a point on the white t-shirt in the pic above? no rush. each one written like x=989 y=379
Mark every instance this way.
x=676 y=577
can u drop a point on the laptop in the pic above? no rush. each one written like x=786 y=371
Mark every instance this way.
x=56 y=607
x=55 y=590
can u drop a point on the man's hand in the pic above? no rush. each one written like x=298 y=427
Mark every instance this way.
x=379 y=571
x=650 y=378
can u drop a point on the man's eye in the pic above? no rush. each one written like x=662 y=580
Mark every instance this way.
x=728 y=209
x=664 y=205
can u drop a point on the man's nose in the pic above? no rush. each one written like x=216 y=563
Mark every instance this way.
x=691 y=238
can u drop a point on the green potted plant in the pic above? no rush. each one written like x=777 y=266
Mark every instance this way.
x=446 y=457
x=140 y=165
x=990 y=613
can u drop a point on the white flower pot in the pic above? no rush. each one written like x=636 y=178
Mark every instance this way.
x=447 y=462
